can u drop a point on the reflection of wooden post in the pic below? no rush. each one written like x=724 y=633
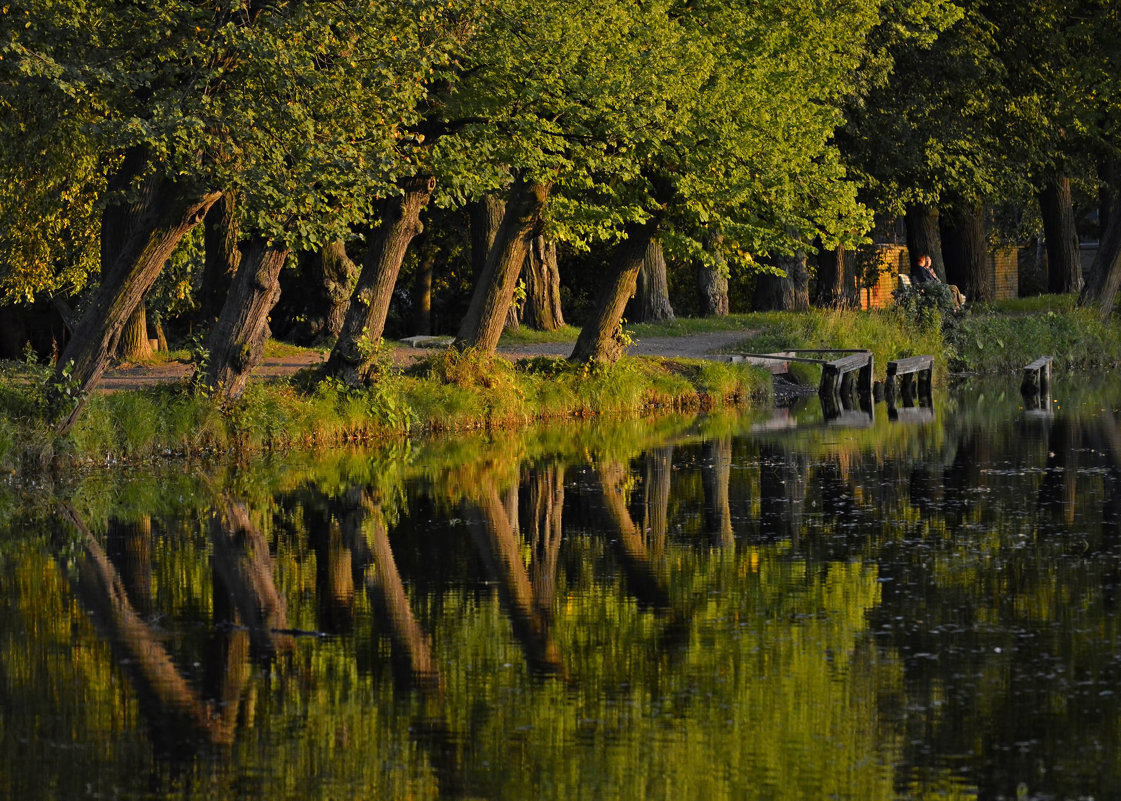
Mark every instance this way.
x=499 y=548
x=170 y=704
x=129 y=546
x=655 y=523
x=244 y=566
x=716 y=473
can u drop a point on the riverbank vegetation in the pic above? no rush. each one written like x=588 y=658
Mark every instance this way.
x=456 y=391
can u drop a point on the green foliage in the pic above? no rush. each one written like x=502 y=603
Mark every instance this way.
x=924 y=304
x=994 y=343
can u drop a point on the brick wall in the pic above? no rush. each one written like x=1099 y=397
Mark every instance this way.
x=1003 y=267
x=893 y=260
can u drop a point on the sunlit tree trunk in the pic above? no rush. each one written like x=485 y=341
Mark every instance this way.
x=1064 y=264
x=134 y=344
x=712 y=285
x=651 y=302
x=924 y=237
x=542 y=308
x=237 y=341
x=167 y=215
x=598 y=341
x=351 y=359
x=494 y=289
x=836 y=287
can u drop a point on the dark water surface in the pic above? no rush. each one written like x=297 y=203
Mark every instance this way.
x=917 y=606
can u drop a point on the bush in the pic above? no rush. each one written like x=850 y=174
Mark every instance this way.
x=925 y=304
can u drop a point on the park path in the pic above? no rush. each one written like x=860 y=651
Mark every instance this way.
x=692 y=346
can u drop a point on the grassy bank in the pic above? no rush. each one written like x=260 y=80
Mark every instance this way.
x=449 y=391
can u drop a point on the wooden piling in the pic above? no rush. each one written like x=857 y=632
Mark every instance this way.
x=1037 y=377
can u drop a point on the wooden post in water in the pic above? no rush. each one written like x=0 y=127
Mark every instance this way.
x=1037 y=377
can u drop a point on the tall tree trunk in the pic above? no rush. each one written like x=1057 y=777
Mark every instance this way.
x=314 y=297
x=166 y=218
x=486 y=218
x=351 y=358
x=1105 y=272
x=788 y=292
x=222 y=257
x=598 y=340
x=422 y=287
x=966 y=251
x=133 y=345
x=830 y=285
x=494 y=287
x=651 y=300
x=237 y=342
x=923 y=239
x=712 y=284
x=1064 y=265
x=542 y=309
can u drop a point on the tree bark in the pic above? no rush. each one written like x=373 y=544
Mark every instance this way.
x=923 y=238
x=165 y=219
x=237 y=342
x=134 y=345
x=1064 y=264
x=833 y=280
x=651 y=300
x=351 y=359
x=486 y=218
x=542 y=308
x=598 y=340
x=220 y=235
x=494 y=287
x=788 y=292
x=966 y=251
x=712 y=283
x=1105 y=272
x=422 y=288
x=314 y=297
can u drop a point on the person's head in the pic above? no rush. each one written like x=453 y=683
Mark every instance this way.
x=924 y=260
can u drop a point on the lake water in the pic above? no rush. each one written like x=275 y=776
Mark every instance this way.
x=913 y=605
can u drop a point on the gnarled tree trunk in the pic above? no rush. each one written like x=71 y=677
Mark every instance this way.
x=651 y=298
x=166 y=217
x=712 y=284
x=494 y=288
x=1105 y=271
x=598 y=340
x=1064 y=264
x=314 y=297
x=351 y=358
x=788 y=292
x=237 y=342
x=965 y=250
x=542 y=308
x=923 y=237
x=133 y=345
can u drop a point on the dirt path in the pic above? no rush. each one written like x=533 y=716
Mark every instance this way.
x=694 y=346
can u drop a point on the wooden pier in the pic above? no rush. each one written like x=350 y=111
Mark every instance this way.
x=906 y=376
x=1037 y=377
